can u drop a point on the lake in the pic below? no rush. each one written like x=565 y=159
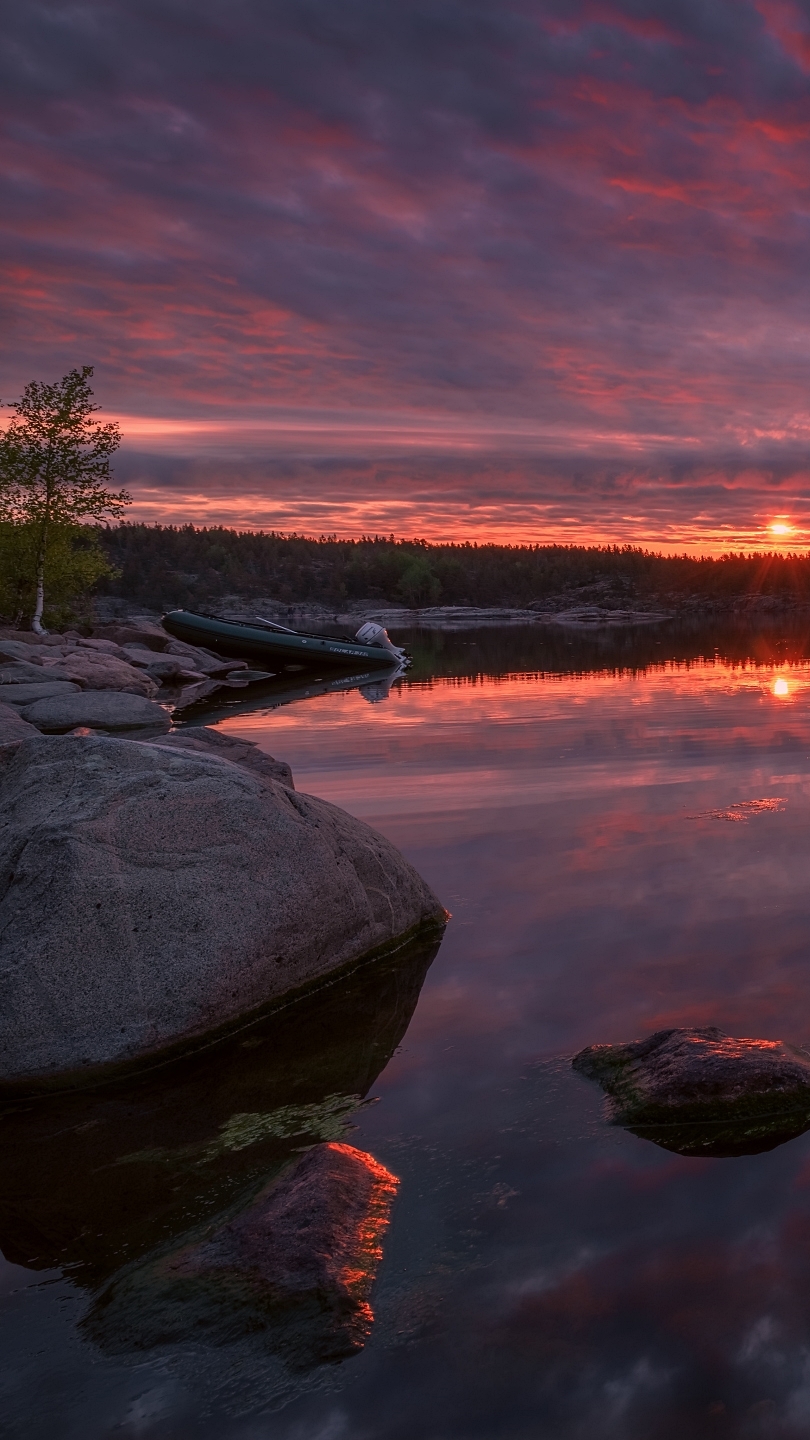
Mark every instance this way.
x=619 y=825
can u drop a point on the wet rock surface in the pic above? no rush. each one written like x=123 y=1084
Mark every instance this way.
x=702 y=1092
x=150 y=896
x=298 y=1262
x=118 y=1182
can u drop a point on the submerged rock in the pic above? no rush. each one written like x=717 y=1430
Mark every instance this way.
x=99 y=710
x=150 y=897
x=116 y=1174
x=297 y=1263
x=702 y=1092
x=117 y=1180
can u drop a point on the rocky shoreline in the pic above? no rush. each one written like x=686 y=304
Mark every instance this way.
x=159 y=886
x=124 y=678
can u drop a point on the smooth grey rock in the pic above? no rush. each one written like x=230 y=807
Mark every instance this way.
x=150 y=897
x=17 y=672
x=700 y=1091
x=205 y=740
x=23 y=695
x=20 y=650
x=98 y=709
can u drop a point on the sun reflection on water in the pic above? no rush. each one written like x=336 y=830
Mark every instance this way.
x=780 y=686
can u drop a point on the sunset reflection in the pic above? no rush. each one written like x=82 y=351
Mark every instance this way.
x=781 y=687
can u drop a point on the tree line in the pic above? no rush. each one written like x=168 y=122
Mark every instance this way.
x=186 y=566
x=57 y=545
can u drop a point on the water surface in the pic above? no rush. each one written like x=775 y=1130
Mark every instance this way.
x=591 y=811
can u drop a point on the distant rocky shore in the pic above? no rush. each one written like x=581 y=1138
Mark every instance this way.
x=590 y=607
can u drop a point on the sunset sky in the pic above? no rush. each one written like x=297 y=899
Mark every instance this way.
x=490 y=269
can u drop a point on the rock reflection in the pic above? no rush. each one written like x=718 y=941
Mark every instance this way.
x=182 y=1201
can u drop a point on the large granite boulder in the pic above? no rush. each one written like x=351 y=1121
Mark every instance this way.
x=97 y=710
x=152 y=897
x=702 y=1092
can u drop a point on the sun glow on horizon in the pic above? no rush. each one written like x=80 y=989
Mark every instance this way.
x=781 y=687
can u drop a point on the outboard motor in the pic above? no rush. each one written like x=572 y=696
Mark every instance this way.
x=372 y=634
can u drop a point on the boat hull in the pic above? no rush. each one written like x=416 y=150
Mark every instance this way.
x=253 y=642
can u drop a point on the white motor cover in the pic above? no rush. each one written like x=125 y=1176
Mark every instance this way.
x=372 y=634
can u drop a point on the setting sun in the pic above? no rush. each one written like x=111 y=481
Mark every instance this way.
x=781 y=687
x=780 y=527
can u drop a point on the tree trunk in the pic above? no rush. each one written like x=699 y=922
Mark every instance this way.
x=36 y=619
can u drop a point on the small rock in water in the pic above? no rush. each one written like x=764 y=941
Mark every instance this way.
x=298 y=1263
x=702 y=1092
x=315 y=1234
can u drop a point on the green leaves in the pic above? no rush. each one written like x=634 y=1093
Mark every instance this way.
x=54 y=475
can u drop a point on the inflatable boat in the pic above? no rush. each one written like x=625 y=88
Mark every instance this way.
x=267 y=641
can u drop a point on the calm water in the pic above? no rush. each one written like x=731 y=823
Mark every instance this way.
x=583 y=807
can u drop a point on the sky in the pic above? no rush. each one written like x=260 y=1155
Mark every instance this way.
x=514 y=270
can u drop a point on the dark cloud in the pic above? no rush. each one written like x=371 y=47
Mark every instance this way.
x=581 y=214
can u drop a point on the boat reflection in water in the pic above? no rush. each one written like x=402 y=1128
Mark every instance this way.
x=373 y=685
x=215 y=1202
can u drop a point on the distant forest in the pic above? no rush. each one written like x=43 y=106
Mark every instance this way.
x=164 y=566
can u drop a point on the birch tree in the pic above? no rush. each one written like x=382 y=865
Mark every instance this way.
x=55 y=465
